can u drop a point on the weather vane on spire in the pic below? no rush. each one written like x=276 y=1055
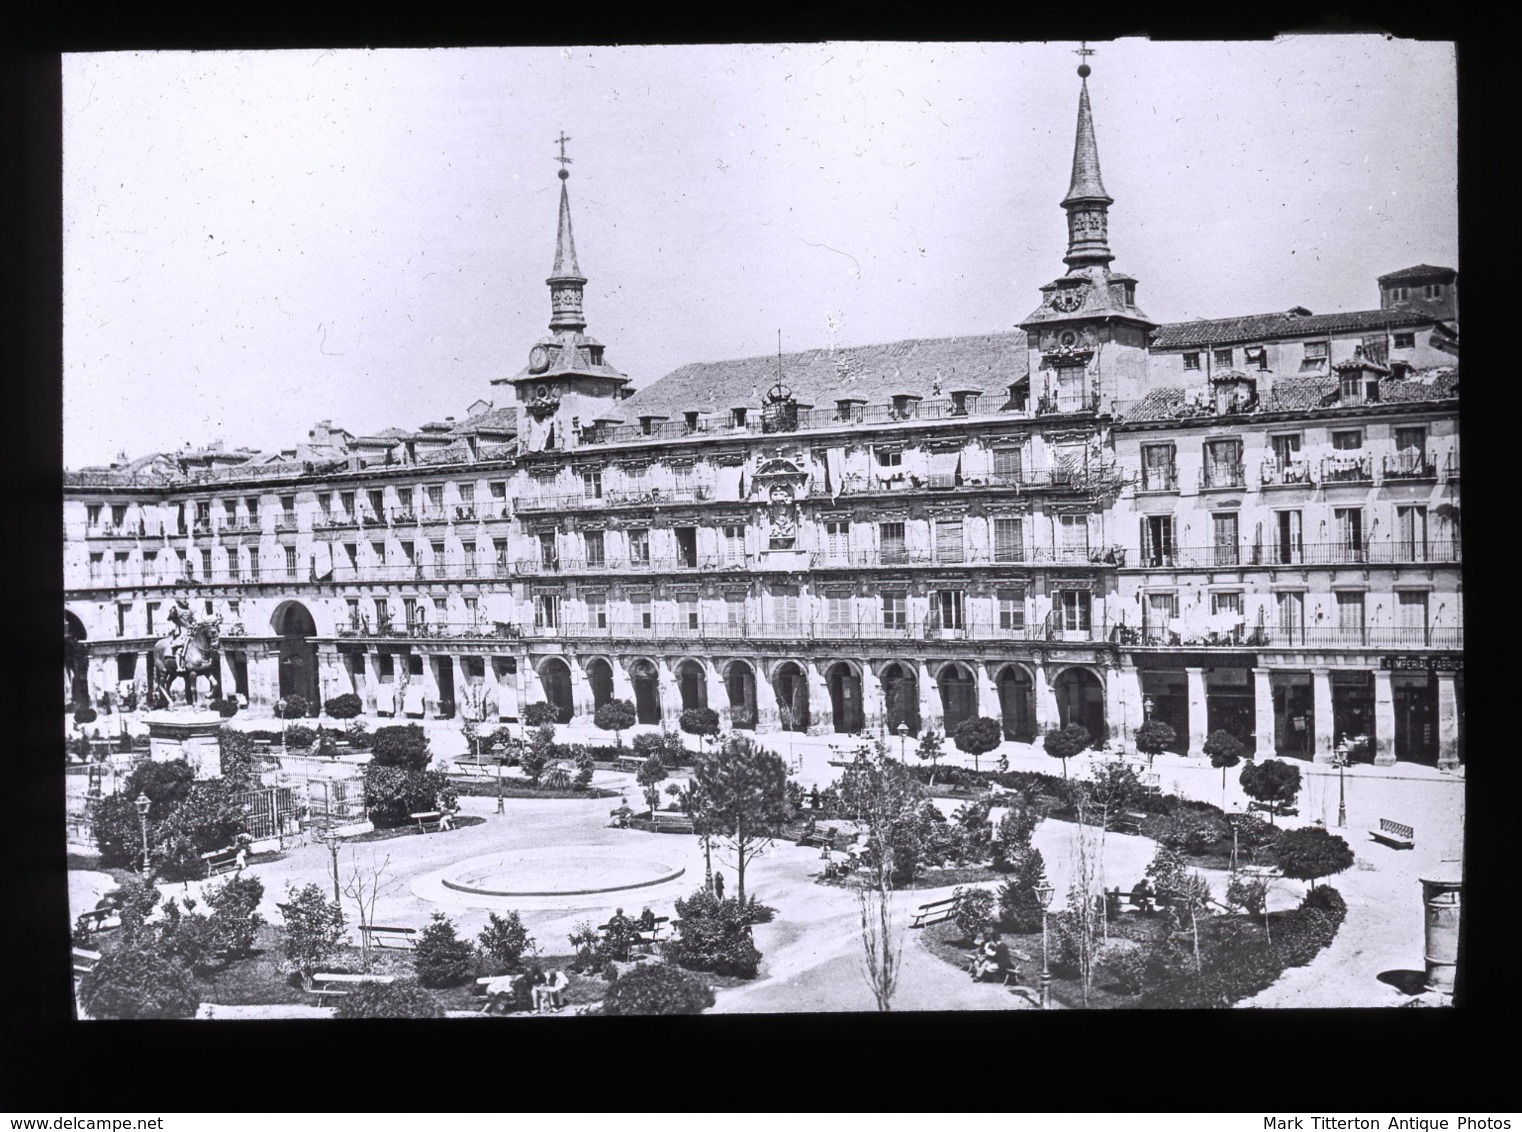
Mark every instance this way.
x=563 y=159
x=1083 y=52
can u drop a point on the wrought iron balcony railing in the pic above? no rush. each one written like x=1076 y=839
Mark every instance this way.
x=1222 y=476
x=1347 y=469
x=1286 y=473
x=1281 y=636
x=1391 y=551
x=1155 y=478
x=1410 y=464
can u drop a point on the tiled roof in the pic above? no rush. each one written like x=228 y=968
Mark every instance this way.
x=987 y=363
x=502 y=421
x=1293 y=394
x=1421 y=270
x=1263 y=327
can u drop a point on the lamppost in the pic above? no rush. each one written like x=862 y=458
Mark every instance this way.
x=497 y=750
x=1146 y=709
x=142 y=817
x=903 y=735
x=1340 y=758
x=331 y=839
x=1044 y=892
x=280 y=711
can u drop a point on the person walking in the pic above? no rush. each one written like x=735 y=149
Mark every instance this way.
x=718 y=884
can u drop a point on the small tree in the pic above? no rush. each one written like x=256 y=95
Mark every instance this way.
x=616 y=716
x=1154 y=737
x=539 y=714
x=929 y=749
x=700 y=721
x=313 y=929
x=235 y=916
x=741 y=795
x=403 y=746
x=292 y=707
x=1310 y=853
x=503 y=942
x=649 y=775
x=345 y=706
x=1225 y=751
x=1066 y=743
x=363 y=886
x=1273 y=782
x=973 y=912
x=441 y=958
x=533 y=758
x=977 y=737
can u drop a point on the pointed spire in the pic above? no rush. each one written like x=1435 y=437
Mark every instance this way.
x=565 y=281
x=1085 y=184
x=565 y=243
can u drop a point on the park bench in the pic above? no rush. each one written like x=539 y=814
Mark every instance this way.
x=640 y=936
x=1394 y=833
x=221 y=861
x=671 y=823
x=1273 y=808
x=1263 y=872
x=95 y=919
x=1009 y=966
x=630 y=762
x=935 y=912
x=84 y=961
x=1130 y=822
x=821 y=838
x=473 y=771
x=328 y=983
x=431 y=821
x=377 y=935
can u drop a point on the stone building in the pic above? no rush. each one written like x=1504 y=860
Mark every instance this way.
x=913 y=533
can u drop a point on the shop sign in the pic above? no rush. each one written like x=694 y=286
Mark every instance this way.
x=1420 y=663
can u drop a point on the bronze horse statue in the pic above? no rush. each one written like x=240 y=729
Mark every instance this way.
x=201 y=658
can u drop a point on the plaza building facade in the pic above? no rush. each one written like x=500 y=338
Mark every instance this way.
x=914 y=533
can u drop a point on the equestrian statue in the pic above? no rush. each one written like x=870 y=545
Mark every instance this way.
x=191 y=649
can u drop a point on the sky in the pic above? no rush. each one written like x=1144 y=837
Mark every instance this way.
x=256 y=241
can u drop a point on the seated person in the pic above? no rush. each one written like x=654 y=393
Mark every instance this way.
x=1142 y=894
x=993 y=958
x=647 y=921
x=554 y=990
x=446 y=819
x=621 y=816
x=620 y=934
x=809 y=828
x=501 y=996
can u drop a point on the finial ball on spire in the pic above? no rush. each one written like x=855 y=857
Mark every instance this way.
x=1084 y=71
x=564 y=173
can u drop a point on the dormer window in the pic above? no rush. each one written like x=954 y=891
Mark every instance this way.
x=1352 y=389
x=737 y=416
x=691 y=419
x=1371 y=390
x=1315 y=357
x=1019 y=396
x=1406 y=340
x=1432 y=291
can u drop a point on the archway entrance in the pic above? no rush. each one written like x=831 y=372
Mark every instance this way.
x=692 y=681
x=294 y=625
x=740 y=684
x=555 y=677
x=901 y=698
x=845 y=698
x=959 y=696
x=76 y=662
x=1017 y=696
x=792 y=692
x=600 y=676
x=647 y=691
x=1081 y=699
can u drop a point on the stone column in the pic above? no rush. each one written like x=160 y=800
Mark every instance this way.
x=623 y=687
x=1384 y=720
x=264 y=676
x=930 y=699
x=430 y=684
x=1263 y=711
x=988 y=695
x=718 y=695
x=333 y=679
x=1126 y=680
x=581 y=691
x=821 y=711
x=1447 y=722
x=1047 y=715
x=668 y=692
x=1321 y=700
x=102 y=676
x=1198 y=712
x=872 y=707
x=491 y=692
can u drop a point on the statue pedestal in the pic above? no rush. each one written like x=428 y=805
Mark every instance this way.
x=189 y=735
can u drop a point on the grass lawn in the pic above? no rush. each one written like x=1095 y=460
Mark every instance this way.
x=479 y=788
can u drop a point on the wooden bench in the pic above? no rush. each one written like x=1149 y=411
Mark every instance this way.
x=672 y=823
x=84 y=961
x=222 y=861
x=327 y=983
x=820 y=838
x=432 y=821
x=1006 y=971
x=1130 y=822
x=474 y=771
x=95 y=919
x=400 y=939
x=1263 y=872
x=1394 y=833
x=1273 y=808
x=630 y=762
x=639 y=936
x=935 y=912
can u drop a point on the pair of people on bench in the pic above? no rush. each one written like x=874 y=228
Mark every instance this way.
x=992 y=959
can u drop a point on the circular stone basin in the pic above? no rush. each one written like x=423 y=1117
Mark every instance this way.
x=572 y=870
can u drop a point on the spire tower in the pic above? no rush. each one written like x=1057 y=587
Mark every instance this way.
x=566 y=280
x=1087 y=203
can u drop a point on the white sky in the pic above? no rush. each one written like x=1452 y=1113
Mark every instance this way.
x=255 y=241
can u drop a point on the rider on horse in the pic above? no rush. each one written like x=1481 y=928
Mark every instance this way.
x=183 y=618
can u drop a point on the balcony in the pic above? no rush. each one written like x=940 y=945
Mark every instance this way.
x=1386 y=552
x=286 y=521
x=401 y=516
x=1157 y=479
x=823 y=629
x=1222 y=476
x=1451 y=466
x=435 y=631
x=1413 y=465
x=1347 y=469
x=1286 y=473
x=1276 y=636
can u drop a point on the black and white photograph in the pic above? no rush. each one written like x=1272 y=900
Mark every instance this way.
x=762 y=529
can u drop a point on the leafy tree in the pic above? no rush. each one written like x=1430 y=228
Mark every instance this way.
x=974 y=912
x=1250 y=894
x=648 y=775
x=616 y=716
x=404 y=746
x=700 y=721
x=1066 y=743
x=207 y=819
x=345 y=706
x=292 y=707
x=1014 y=834
x=657 y=988
x=140 y=979
x=404 y=998
x=1168 y=872
x=1273 y=782
x=313 y=929
x=85 y=714
x=503 y=942
x=977 y=737
x=584 y=770
x=714 y=935
x=441 y=958
x=1112 y=786
x=1154 y=737
x=237 y=757
x=391 y=794
x=741 y=794
x=1225 y=751
x=539 y=714
x=1019 y=906
x=235 y=916
x=930 y=749
x=1310 y=853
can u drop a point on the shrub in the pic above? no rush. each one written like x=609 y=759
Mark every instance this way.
x=648 y=775
x=1126 y=968
x=977 y=737
x=1193 y=829
x=226 y=708
x=313 y=929
x=1310 y=853
x=1247 y=893
x=359 y=736
x=972 y=819
x=85 y=714
x=657 y=988
x=540 y=714
x=1167 y=872
x=391 y=794
x=346 y=706
x=403 y=746
x=139 y=980
x=1019 y=907
x=235 y=913
x=1329 y=900
x=586 y=942
x=616 y=716
x=1273 y=782
x=584 y=769
x=404 y=998
x=185 y=935
x=1154 y=737
x=441 y=958
x=1066 y=743
x=300 y=736
x=973 y=913
x=713 y=935
x=610 y=972
x=1300 y=935
x=1014 y=835
x=292 y=707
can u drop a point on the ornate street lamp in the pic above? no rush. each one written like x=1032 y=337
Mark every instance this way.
x=280 y=711
x=331 y=839
x=1044 y=892
x=497 y=750
x=142 y=804
x=903 y=734
x=1340 y=759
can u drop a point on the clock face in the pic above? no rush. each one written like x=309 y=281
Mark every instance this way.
x=1067 y=338
x=541 y=392
x=1068 y=300
x=538 y=359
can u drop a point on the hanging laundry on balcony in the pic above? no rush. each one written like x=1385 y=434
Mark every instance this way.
x=834 y=471
x=943 y=468
x=412 y=699
x=322 y=561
